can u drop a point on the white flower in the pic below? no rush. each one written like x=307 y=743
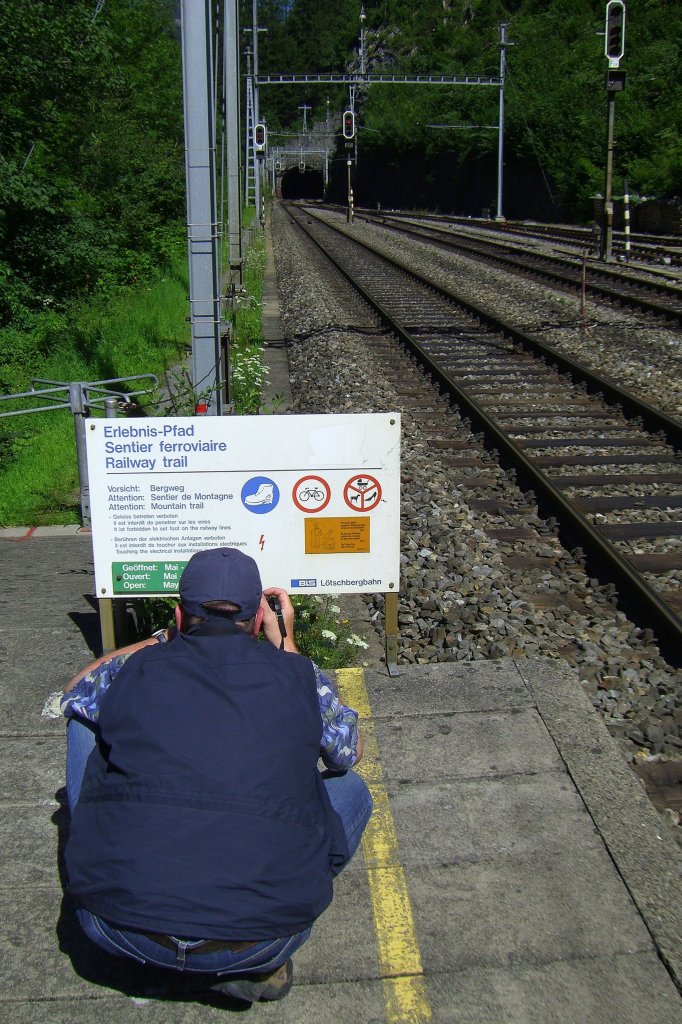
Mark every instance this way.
x=355 y=641
x=328 y=635
x=334 y=608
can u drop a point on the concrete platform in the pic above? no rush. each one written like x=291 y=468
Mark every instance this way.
x=514 y=872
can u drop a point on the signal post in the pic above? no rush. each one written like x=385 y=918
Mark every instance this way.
x=260 y=144
x=348 y=129
x=614 y=48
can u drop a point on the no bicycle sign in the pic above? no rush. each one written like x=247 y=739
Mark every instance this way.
x=314 y=499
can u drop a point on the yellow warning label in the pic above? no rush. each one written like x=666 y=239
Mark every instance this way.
x=335 y=535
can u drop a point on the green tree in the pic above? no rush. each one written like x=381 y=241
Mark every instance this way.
x=555 y=100
x=91 y=168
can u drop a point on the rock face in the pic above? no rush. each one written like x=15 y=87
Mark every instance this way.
x=466 y=594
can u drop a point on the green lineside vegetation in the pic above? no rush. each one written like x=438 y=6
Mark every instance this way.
x=138 y=330
x=555 y=105
x=93 y=255
x=92 y=251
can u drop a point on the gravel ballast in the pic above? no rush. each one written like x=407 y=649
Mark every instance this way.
x=460 y=599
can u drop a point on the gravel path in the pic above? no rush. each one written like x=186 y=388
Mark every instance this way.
x=460 y=600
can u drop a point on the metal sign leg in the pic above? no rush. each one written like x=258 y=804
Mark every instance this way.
x=391 y=630
x=107 y=624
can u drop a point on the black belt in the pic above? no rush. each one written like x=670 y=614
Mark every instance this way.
x=207 y=946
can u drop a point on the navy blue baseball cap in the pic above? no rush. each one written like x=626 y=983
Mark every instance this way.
x=221 y=574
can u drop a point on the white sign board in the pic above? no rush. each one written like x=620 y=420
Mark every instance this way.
x=315 y=500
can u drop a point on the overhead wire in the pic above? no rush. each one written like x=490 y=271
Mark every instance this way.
x=532 y=139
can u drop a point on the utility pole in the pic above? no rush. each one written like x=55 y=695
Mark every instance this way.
x=305 y=108
x=202 y=212
x=249 y=127
x=253 y=166
x=349 y=128
x=256 y=101
x=231 y=108
x=363 y=61
x=500 y=129
x=607 y=232
x=348 y=132
x=626 y=216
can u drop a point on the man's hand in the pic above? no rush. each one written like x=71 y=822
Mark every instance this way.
x=270 y=623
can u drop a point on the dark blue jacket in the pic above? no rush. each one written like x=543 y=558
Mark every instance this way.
x=202 y=813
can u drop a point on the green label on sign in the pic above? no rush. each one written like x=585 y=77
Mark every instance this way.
x=146 y=577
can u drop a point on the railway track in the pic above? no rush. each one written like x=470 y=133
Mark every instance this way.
x=654 y=249
x=621 y=288
x=598 y=460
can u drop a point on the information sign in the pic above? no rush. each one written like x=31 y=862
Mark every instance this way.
x=314 y=499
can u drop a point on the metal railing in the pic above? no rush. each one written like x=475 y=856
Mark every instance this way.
x=80 y=397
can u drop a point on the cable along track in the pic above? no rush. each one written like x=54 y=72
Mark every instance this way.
x=566 y=431
x=659 y=299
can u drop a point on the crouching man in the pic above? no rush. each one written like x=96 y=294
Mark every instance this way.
x=204 y=838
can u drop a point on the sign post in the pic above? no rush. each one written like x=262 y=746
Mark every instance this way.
x=315 y=500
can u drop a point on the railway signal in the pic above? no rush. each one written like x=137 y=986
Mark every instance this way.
x=348 y=125
x=259 y=140
x=614 y=43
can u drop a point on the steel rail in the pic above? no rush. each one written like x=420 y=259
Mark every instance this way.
x=635 y=407
x=454 y=241
x=634 y=592
x=517 y=241
x=553 y=232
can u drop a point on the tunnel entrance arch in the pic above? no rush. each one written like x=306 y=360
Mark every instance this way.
x=301 y=170
x=302 y=182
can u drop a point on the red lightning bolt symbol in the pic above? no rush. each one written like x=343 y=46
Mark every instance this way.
x=262 y=541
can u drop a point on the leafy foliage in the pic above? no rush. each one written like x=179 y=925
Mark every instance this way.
x=321 y=633
x=555 y=100
x=246 y=352
x=91 y=169
x=138 y=329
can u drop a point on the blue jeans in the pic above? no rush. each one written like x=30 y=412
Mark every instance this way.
x=348 y=796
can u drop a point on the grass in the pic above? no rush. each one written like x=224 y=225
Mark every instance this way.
x=323 y=635
x=127 y=332
x=246 y=353
x=132 y=331
x=40 y=486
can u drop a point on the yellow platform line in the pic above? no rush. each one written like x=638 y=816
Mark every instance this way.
x=400 y=965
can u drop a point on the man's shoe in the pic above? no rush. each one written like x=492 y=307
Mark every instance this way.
x=252 y=987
